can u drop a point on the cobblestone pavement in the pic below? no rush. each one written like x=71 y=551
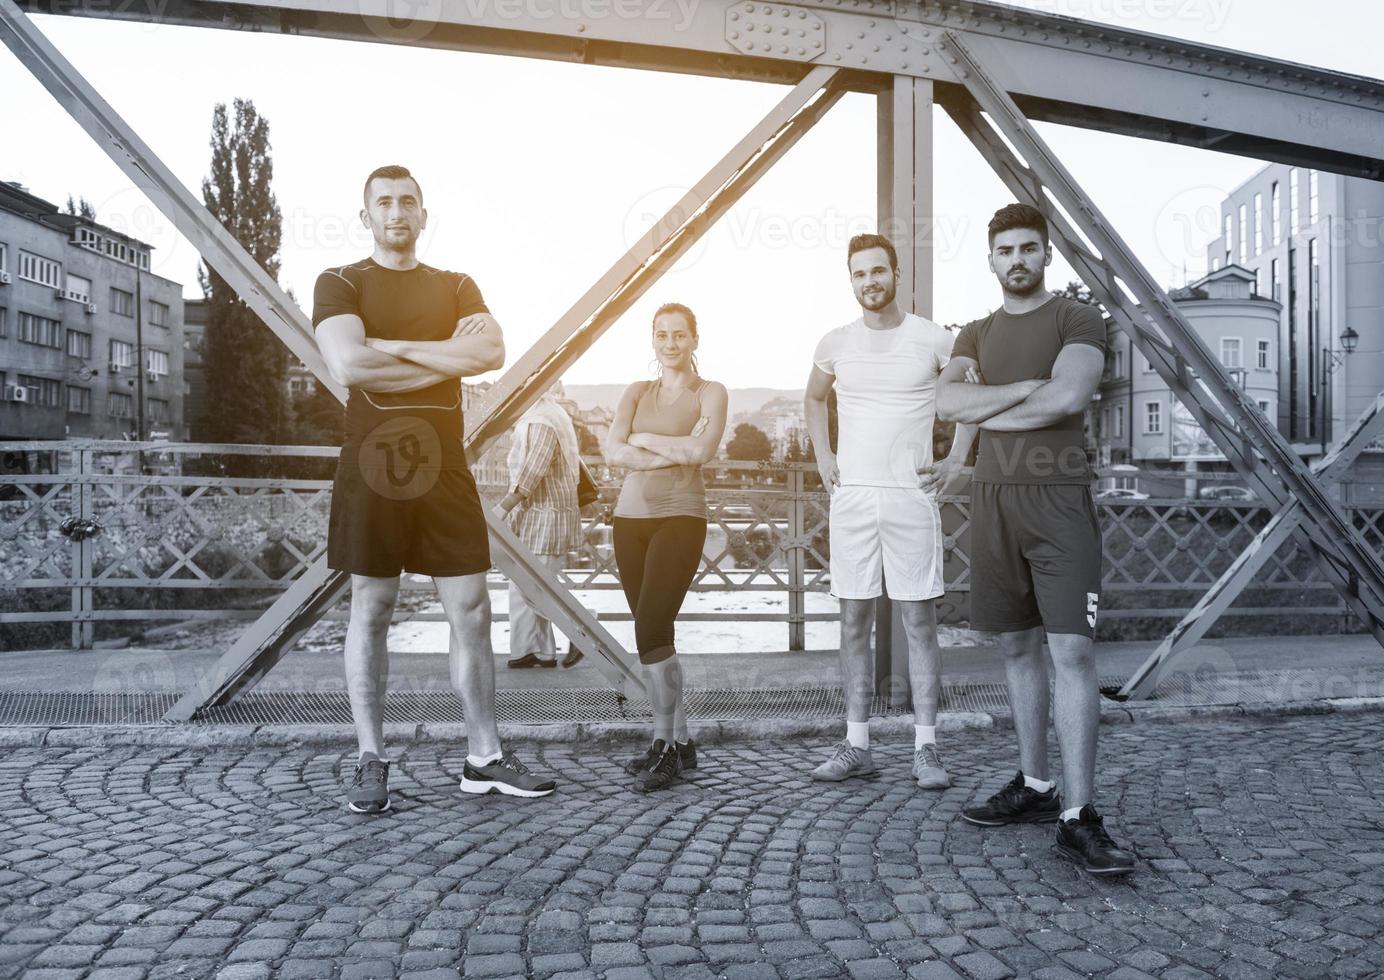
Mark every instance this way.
x=1261 y=842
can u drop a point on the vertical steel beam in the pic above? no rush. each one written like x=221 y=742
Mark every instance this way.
x=132 y=155
x=905 y=214
x=1252 y=444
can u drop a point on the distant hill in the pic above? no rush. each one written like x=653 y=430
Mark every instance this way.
x=743 y=401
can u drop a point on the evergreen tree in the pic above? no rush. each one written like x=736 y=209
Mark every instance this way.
x=82 y=208
x=749 y=443
x=244 y=362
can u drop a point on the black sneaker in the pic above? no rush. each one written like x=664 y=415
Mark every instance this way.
x=369 y=789
x=687 y=755
x=1085 y=841
x=1016 y=803
x=666 y=767
x=505 y=775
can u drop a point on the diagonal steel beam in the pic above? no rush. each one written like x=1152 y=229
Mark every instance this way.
x=1234 y=580
x=1251 y=443
x=266 y=641
x=132 y=155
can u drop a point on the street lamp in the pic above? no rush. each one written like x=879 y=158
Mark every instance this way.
x=1331 y=361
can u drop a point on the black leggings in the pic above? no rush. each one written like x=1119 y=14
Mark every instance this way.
x=657 y=558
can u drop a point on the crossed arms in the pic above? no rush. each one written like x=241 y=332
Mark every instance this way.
x=356 y=361
x=963 y=397
x=647 y=451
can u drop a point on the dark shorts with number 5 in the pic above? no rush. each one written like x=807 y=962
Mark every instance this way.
x=1035 y=558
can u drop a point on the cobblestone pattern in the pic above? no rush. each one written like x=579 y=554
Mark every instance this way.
x=1261 y=847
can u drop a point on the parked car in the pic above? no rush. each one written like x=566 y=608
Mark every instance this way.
x=1226 y=493
x=1120 y=493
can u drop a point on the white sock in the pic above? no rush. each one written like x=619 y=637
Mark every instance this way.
x=1071 y=814
x=924 y=735
x=484 y=760
x=858 y=734
x=1039 y=785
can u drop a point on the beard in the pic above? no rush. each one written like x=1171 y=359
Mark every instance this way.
x=1027 y=285
x=878 y=300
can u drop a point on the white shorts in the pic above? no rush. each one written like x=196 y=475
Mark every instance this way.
x=885 y=538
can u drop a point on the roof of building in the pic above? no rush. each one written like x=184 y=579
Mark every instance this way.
x=15 y=198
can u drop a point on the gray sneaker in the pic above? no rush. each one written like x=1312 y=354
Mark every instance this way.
x=928 y=769
x=846 y=761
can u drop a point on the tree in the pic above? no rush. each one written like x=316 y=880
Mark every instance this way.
x=749 y=443
x=794 y=453
x=82 y=208
x=244 y=362
x=1077 y=291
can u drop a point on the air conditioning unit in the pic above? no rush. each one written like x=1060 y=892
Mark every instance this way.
x=5 y=279
x=116 y=368
x=91 y=307
x=16 y=393
x=151 y=376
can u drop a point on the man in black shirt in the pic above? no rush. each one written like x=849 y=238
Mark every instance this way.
x=1025 y=375
x=401 y=335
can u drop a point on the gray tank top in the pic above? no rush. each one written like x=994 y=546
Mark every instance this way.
x=674 y=491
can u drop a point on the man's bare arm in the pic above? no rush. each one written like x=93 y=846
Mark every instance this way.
x=958 y=401
x=1075 y=375
x=352 y=363
x=819 y=385
x=476 y=346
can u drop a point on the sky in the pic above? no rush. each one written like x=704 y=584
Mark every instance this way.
x=538 y=175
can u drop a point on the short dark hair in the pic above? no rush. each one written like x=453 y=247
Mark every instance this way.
x=391 y=171
x=1013 y=216
x=863 y=243
x=683 y=311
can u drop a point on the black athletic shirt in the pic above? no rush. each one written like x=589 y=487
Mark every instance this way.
x=423 y=303
x=1021 y=347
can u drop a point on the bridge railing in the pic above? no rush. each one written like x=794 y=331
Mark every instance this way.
x=104 y=532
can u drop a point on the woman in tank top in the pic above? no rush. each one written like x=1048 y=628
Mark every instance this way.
x=664 y=430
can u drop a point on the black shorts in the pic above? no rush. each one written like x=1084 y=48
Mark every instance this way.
x=1035 y=558
x=431 y=524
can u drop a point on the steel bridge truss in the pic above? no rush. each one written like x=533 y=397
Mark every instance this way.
x=994 y=69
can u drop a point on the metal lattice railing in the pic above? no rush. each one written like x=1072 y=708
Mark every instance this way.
x=168 y=519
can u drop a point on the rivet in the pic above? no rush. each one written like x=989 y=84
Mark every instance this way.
x=733 y=34
x=876 y=49
x=749 y=45
x=783 y=31
x=734 y=16
x=849 y=45
x=749 y=8
x=783 y=49
x=581 y=28
x=802 y=51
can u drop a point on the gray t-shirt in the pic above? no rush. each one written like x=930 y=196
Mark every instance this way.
x=1021 y=347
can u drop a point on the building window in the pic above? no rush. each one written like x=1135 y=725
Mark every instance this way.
x=79 y=344
x=1293 y=211
x=1258 y=223
x=1226 y=236
x=40 y=330
x=42 y=391
x=1153 y=418
x=78 y=289
x=87 y=238
x=1261 y=355
x=122 y=354
x=1230 y=352
x=1312 y=198
x=1215 y=264
x=1264 y=405
x=158 y=314
x=1259 y=281
x=4 y=256
x=158 y=410
x=1275 y=280
x=122 y=406
x=1119 y=421
x=122 y=302
x=156 y=361
x=1276 y=218
x=36 y=268
x=78 y=400
x=1243 y=231
x=4 y=322
x=1119 y=362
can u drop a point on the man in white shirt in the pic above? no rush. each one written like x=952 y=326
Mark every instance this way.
x=886 y=529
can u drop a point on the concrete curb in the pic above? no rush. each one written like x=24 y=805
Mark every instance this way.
x=617 y=732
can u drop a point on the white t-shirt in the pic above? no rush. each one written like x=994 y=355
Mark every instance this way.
x=886 y=398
